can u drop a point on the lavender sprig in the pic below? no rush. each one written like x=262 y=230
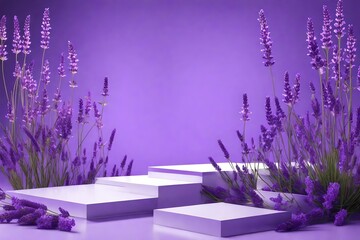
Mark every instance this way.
x=339 y=25
x=326 y=29
x=61 y=68
x=45 y=73
x=17 y=44
x=3 y=38
x=105 y=92
x=26 y=38
x=45 y=32
x=350 y=47
x=245 y=112
x=313 y=49
x=265 y=40
x=288 y=95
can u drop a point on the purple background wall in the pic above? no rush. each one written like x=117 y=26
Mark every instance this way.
x=177 y=68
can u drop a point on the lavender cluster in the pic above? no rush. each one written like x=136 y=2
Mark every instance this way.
x=28 y=213
x=45 y=141
x=315 y=154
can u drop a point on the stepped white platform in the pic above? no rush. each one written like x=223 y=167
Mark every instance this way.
x=168 y=192
x=220 y=219
x=90 y=201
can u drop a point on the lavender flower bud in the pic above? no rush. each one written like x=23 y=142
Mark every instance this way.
x=8 y=216
x=20 y=203
x=57 y=99
x=350 y=47
x=17 y=72
x=129 y=168
x=88 y=105
x=215 y=165
x=296 y=89
x=309 y=189
x=339 y=25
x=17 y=44
x=3 y=28
x=66 y=224
x=331 y=195
x=340 y=217
x=326 y=29
x=316 y=108
x=268 y=112
x=45 y=73
x=61 y=68
x=31 y=218
x=288 y=96
x=45 y=32
x=265 y=40
x=47 y=222
x=123 y=162
x=26 y=38
x=80 y=118
x=245 y=109
x=105 y=88
x=316 y=60
x=72 y=58
x=45 y=106
x=312 y=89
x=279 y=112
x=10 y=114
x=64 y=213
x=279 y=204
x=111 y=140
x=223 y=149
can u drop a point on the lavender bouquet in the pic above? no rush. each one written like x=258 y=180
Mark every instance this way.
x=28 y=213
x=43 y=144
x=315 y=155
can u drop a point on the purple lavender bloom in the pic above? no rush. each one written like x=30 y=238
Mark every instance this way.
x=255 y=198
x=279 y=204
x=129 y=168
x=331 y=101
x=8 y=216
x=350 y=47
x=223 y=149
x=72 y=58
x=326 y=29
x=21 y=203
x=339 y=25
x=279 y=112
x=45 y=32
x=66 y=224
x=245 y=109
x=44 y=106
x=45 y=73
x=316 y=60
x=316 y=108
x=309 y=189
x=63 y=124
x=17 y=44
x=123 y=162
x=17 y=72
x=80 y=118
x=288 y=96
x=265 y=40
x=64 y=213
x=336 y=59
x=3 y=28
x=10 y=114
x=312 y=88
x=98 y=117
x=3 y=52
x=2 y=194
x=296 y=89
x=61 y=68
x=57 y=99
x=340 y=217
x=29 y=83
x=268 y=112
x=31 y=218
x=47 y=222
x=314 y=215
x=266 y=138
x=215 y=165
x=296 y=222
x=26 y=38
x=106 y=87
x=111 y=140
x=331 y=195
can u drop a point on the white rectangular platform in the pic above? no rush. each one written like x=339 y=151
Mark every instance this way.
x=170 y=193
x=220 y=219
x=90 y=201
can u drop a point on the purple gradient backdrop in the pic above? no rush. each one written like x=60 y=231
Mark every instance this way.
x=177 y=68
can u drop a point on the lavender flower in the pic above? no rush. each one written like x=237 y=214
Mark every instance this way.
x=279 y=112
x=326 y=29
x=105 y=88
x=17 y=72
x=29 y=83
x=297 y=221
x=57 y=99
x=279 y=204
x=245 y=109
x=3 y=29
x=340 y=217
x=316 y=108
x=309 y=189
x=45 y=32
x=21 y=203
x=45 y=73
x=64 y=213
x=111 y=140
x=98 y=117
x=63 y=124
x=26 y=38
x=44 y=106
x=47 y=222
x=255 y=198
x=339 y=25
x=10 y=114
x=66 y=224
x=350 y=47
x=265 y=40
x=223 y=149
x=17 y=44
x=8 y=216
x=80 y=118
x=296 y=89
x=123 y=162
x=61 y=68
x=316 y=61
x=88 y=104
x=268 y=112
x=288 y=96
x=72 y=58
x=31 y=218
x=314 y=215
x=331 y=195
x=129 y=168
